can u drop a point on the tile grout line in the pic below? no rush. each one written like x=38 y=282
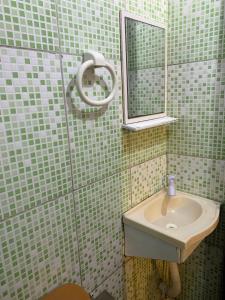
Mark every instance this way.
x=30 y=49
x=71 y=168
x=74 y=190
x=50 y=51
x=69 y=145
x=83 y=186
x=110 y=58
x=195 y=61
x=108 y=176
x=80 y=187
x=199 y=157
x=107 y=277
x=35 y=207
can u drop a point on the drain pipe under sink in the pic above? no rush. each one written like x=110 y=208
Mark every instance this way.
x=175 y=288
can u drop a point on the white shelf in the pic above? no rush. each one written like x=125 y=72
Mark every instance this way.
x=149 y=123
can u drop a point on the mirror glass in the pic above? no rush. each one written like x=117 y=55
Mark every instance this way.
x=145 y=68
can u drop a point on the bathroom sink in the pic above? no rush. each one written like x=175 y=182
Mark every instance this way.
x=169 y=227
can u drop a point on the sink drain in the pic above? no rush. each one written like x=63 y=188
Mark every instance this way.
x=171 y=226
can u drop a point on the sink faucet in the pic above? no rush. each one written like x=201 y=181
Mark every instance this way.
x=171 y=185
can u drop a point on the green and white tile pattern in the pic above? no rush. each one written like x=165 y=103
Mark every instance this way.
x=38 y=250
x=147 y=144
x=114 y=285
x=35 y=164
x=196 y=30
x=90 y=24
x=201 y=277
x=53 y=144
x=196 y=149
x=99 y=208
x=42 y=226
x=147 y=178
x=98 y=146
x=196 y=96
x=200 y=176
x=150 y=9
x=29 y=24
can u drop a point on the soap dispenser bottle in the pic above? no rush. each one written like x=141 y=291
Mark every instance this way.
x=171 y=185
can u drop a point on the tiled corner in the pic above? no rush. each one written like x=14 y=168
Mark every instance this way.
x=196 y=30
x=196 y=97
x=201 y=274
x=99 y=147
x=35 y=165
x=147 y=178
x=114 y=285
x=38 y=250
x=147 y=144
x=143 y=276
x=150 y=9
x=90 y=25
x=201 y=176
x=217 y=238
x=29 y=24
x=99 y=208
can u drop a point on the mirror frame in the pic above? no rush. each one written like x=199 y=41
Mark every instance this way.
x=123 y=16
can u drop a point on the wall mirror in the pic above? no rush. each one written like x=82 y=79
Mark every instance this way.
x=143 y=47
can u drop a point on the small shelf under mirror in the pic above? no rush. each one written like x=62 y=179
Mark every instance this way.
x=149 y=123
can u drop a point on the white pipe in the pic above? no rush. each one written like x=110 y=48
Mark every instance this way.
x=175 y=288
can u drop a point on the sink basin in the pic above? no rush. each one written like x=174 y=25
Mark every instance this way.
x=169 y=228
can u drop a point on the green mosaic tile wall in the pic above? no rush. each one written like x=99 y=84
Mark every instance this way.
x=98 y=146
x=147 y=178
x=196 y=93
x=196 y=96
x=196 y=144
x=90 y=25
x=199 y=175
x=207 y=285
x=35 y=165
x=38 y=250
x=99 y=227
x=66 y=169
x=196 y=30
x=29 y=24
x=153 y=9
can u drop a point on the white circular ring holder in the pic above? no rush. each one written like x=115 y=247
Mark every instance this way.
x=95 y=59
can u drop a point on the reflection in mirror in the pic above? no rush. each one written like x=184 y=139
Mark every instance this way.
x=145 y=49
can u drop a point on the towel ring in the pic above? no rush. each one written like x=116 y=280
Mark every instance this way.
x=95 y=59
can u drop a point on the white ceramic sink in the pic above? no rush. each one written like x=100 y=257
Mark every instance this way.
x=169 y=228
